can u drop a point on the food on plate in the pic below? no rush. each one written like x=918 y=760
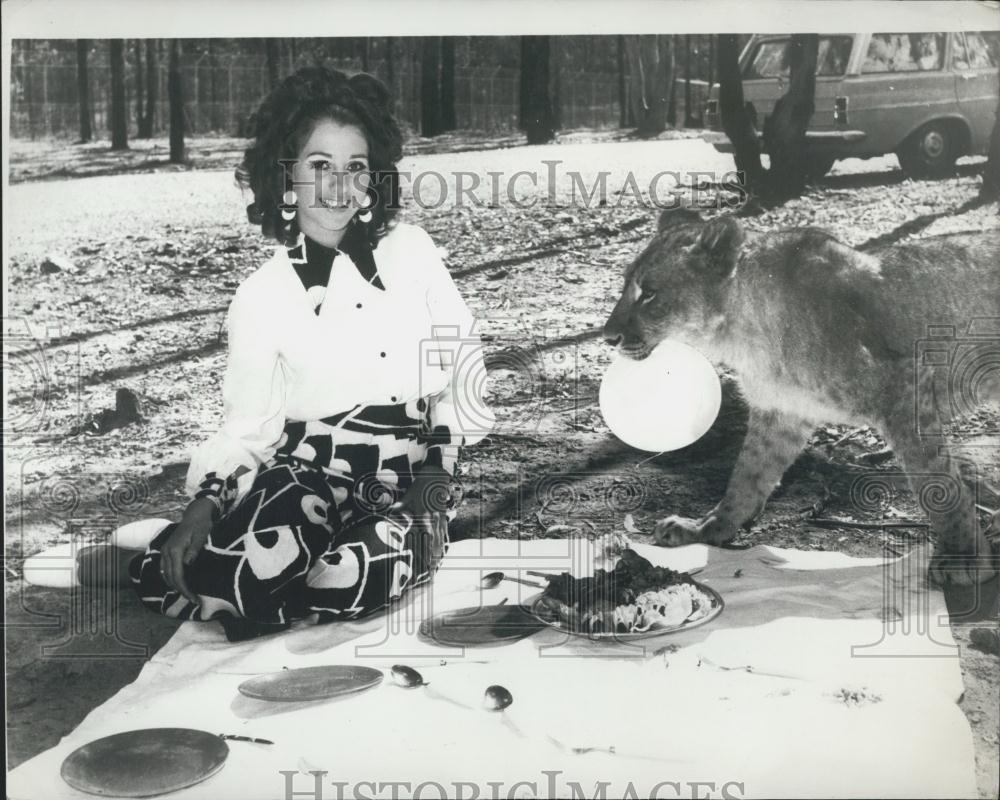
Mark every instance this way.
x=634 y=597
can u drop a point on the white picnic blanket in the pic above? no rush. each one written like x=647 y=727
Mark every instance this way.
x=851 y=692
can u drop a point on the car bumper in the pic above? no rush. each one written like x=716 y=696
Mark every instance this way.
x=833 y=141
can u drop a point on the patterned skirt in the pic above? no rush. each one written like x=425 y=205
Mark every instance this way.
x=309 y=537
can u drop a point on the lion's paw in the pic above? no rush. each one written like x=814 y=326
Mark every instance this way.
x=962 y=569
x=675 y=531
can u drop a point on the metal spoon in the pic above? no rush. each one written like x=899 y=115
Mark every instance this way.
x=494 y=578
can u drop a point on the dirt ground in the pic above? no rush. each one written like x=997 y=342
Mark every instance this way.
x=138 y=306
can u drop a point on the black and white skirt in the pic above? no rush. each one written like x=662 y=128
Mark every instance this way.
x=309 y=537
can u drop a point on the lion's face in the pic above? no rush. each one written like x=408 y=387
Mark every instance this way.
x=672 y=289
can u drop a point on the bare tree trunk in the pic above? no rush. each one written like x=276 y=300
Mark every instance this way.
x=651 y=74
x=672 y=101
x=29 y=84
x=736 y=121
x=213 y=88
x=688 y=116
x=175 y=95
x=711 y=62
x=152 y=89
x=449 y=120
x=430 y=86
x=412 y=52
x=390 y=64
x=785 y=128
x=555 y=81
x=537 y=119
x=273 y=55
x=365 y=53
x=119 y=109
x=139 y=85
x=990 y=190
x=83 y=89
x=622 y=86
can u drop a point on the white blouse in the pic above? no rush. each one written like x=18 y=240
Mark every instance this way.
x=416 y=338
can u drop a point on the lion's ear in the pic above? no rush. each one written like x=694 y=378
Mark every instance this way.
x=721 y=239
x=670 y=217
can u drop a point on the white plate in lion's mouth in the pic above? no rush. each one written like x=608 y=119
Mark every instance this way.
x=664 y=402
x=542 y=611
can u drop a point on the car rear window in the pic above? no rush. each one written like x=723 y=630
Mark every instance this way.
x=768 y=59
x=977 y=50
x=904 y=52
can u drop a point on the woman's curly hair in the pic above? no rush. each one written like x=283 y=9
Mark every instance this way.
x=284 y=122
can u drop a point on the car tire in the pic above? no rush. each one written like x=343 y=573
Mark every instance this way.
x=931 y=152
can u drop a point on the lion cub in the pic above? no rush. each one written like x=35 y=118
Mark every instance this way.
x=819 y=332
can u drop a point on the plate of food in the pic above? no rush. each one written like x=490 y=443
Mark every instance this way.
x=635 y=600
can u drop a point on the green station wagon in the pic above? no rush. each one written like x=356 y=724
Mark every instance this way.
x=930 y=98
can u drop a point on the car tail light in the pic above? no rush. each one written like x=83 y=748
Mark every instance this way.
x=840 y=110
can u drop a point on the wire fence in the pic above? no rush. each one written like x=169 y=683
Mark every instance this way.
x=221 y=92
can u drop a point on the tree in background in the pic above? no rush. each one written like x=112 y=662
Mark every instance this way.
x=990 y=190
x=624 y=118
x=651 y=73
x=784 y=129
x=119 y=109
x=272 y=50
x=537 y=118
x=711 y=62
x=688 y=116
x=139 y=86
x=390 y=64
x=672 y=99
x=735 y=116
x=430 y=86
x=83 y=89
x=449 y=119
x=29 y=92
x=175 y=96
x=148 y=118
x=437 y=85
x=556 y=68
x=366 y=50
x=484 y=69
x=213 y=88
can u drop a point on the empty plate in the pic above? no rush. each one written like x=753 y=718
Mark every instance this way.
x=311 y=683
x=480 y=625
x=145 y=762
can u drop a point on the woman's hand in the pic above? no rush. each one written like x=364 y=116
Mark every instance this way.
x=424 y=503
x=184 y=544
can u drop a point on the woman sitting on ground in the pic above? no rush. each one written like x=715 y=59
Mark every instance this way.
x=350 y=373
